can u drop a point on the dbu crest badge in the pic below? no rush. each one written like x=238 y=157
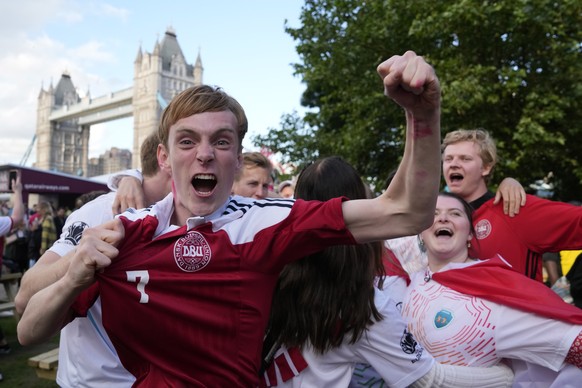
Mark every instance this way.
x=192 y=252
x=443 y=318
x=483 y=229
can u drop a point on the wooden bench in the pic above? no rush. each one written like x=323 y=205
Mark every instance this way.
x=10 y=283
x=6 y=306
x=46 y=364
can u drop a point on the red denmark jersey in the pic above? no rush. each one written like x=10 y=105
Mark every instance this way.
x=189 y=307
x=541 y=226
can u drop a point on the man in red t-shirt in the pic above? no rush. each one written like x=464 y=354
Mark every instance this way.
x=469 y=157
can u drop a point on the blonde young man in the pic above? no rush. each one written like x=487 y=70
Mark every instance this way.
x=254 y=178
x=186 y=285
x=469 y=157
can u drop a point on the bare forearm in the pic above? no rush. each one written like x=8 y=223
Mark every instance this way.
x=49 y=268
x=47 y=312
x=50 y=308
x=416 y=183
x=407 y=206
x=17 y=209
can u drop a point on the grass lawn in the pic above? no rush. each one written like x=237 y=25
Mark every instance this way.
x=14 y=366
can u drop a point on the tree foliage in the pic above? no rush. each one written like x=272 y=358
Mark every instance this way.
x=511 y=67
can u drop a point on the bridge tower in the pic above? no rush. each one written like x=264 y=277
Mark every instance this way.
x=158 y=76
x=64 y=118
x=60 y=145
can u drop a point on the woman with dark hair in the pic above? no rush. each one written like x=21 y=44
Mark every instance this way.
x=311 y=299
x=336 y=308
x=478 y=312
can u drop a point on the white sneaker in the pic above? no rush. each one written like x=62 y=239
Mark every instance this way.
x=562 y=288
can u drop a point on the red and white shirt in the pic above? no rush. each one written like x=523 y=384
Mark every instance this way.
x=477 y=313
x=188 y=306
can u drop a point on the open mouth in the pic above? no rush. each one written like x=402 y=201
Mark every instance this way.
x=455 y=177
x=204 y=184
x=443 y=232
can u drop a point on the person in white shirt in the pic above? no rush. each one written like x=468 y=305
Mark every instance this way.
x=79 y=366
x=7 y=224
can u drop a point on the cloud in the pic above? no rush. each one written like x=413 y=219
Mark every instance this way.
x=26 y=15
x=110 y=10
x=31 y=60
x=91 y=52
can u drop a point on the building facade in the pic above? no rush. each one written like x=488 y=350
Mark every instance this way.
x=110 y=161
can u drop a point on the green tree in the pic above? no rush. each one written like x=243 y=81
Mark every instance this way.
x=511 y=67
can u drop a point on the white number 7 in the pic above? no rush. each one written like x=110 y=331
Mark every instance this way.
x=144 y=278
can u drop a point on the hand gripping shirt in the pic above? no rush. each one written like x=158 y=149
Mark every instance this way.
x=87 y=357
x=541 y=226
x=188 y=306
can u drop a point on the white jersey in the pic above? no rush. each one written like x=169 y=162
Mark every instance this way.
x=5 y=225
x=460 y=329
x=87 y=357
x=408 y=252
x=387 y=346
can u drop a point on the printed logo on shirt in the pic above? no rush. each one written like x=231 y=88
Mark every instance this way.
x=443 y=318
x=407 y=342
x=192 y=252
x=74 y=232
x=483 y=229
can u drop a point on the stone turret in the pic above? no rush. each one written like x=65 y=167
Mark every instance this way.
x=198 y=69
x=158 y=77
x=64 y=146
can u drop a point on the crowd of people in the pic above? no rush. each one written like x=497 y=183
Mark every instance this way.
x=32 y=236
x=313 y=282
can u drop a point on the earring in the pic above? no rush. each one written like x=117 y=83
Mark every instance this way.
x=421 y=243
x=468 y=244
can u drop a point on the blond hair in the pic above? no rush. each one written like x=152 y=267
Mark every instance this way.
x=255 y=159
x=483 y=140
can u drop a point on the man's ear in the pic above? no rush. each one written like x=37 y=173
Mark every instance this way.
x=164 y=159
x=239 y=161
x=486 y=170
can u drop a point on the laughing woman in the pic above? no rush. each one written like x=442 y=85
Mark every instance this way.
x=475 y=313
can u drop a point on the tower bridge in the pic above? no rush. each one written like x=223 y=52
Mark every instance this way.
x=110 y=107
x=64 y=119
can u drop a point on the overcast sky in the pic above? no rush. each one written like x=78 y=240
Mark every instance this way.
x=243 y=47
